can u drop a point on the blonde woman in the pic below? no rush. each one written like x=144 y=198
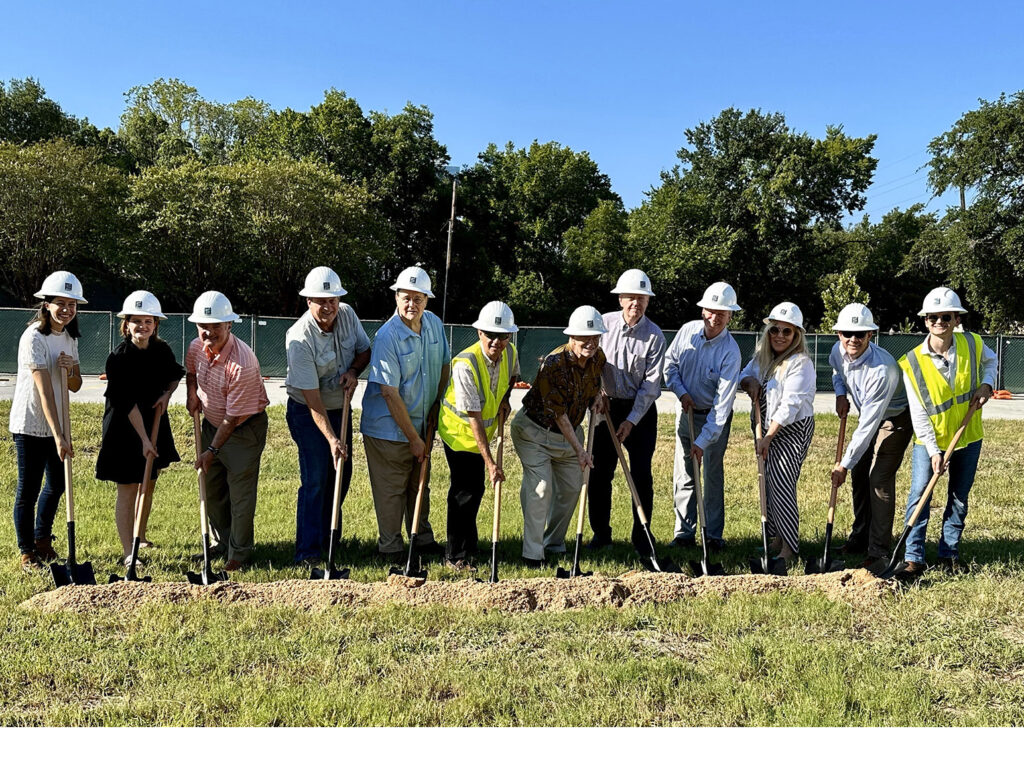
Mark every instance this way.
x=781 y=378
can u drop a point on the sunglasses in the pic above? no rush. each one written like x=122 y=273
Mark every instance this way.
x=776 y=330
x=853 y=334
x=945 y=318
x=497 y=337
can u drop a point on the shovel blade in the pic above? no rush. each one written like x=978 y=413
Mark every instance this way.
x=820 y=566
x=61 y=576
x=892 y=569
x=329 y=574
x=80 y=574
x=702 y=568
x=114 y=578
x=205 y=577
x=654 y=564
x=408 y=572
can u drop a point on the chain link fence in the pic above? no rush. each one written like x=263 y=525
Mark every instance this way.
x=266 y=335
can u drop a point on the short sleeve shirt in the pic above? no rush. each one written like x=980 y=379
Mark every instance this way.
x=229 y=382
x=38 y=351
x=562 y=387
x=317 y=359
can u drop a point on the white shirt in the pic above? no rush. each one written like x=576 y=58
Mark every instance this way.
x=945 y=364
x=789 y=392
x=36 y=351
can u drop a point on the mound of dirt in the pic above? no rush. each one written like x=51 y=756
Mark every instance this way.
x=854 y=587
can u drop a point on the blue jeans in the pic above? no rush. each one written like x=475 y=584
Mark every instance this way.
x=36 y=455
x=316 y=477
x=962 y=466
x=683 y=494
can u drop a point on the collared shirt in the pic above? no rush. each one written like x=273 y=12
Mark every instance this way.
x=788 y=390
x=467 y=393
x=945 y=364
x=562 y=387
x=708 y=370
x=228 y=382
x=873 y=384
x=38 y=351
x=317 y=359
x=412 y=364
x=635 y=355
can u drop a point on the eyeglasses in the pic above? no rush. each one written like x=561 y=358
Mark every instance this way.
x=853 y=334
x=589 y=341
x=944 y=317
x=497 y=337
x=776 y=330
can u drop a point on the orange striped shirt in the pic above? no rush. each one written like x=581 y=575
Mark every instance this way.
x=229 y=383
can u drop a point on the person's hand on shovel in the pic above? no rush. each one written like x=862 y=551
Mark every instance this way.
x=64 y=448
x=148 y=450
x=585 y=459
x=339 y=451
x=160 y=406
x=192 y=403
x=623 y=430
x=763 y=444
x=687 y=402
x=349 y=382
x=494 y=472
x=838 y=475
x=204 y=461
x=697 y=453
x=842 y=405
x=982 y=395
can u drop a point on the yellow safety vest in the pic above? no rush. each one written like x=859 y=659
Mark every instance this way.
x=453 y=425
x=946 y=407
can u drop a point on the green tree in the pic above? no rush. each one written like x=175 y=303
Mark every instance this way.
x=983 y=153
x=838 y=291
x=743 y=206
x=58 y=209
x=28 y=115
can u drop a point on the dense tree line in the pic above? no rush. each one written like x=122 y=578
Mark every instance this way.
x=190 y=194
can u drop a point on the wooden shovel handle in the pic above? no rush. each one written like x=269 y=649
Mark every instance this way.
x=69 y=496
x=200 y=474
x=586 y=472
x=143 y=500
x=840 y=443
x=698 y=490
x=762 y=490
x=424 y=468
x=499 y=457
x=339 y=468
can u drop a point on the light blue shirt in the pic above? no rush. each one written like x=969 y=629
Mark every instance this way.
x=317 y=359
x=410 y=362
x=873 y=384
x=708 y=370
x=634 y=355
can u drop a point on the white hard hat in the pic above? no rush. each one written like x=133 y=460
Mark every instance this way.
x=855 y=317
x=415 y=279
x=496 y=317
x=585 y=321
x=62 y=284
x=940 y=300
x=141 y=303
x=633 y=281
x=787 y=312
x=719 y=296
x=322 y=282
x=212 y=307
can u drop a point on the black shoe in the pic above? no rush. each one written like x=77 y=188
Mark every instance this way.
x=853 y=548
x=535 y=564
x=953 y=566
x=433 y=549
x=716 y=545
x=215 y=554
x=599 y=543
x=394 y=558
x=683 y=542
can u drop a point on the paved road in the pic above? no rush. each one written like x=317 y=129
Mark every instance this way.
x=92 y=391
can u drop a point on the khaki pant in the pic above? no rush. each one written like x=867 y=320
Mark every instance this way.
x=552 y=481
x=873 y=484
x=394 y=481
x=231 y=486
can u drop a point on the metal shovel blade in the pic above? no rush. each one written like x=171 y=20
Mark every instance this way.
x=574 y=573
x=892 y=569
x=66 y=574
x=769 y=566
x=820 y=565
x=205 y=577
x=704 y=568
x=654 y=564
x=408 y=572
x=329 y=574
x=130 y=575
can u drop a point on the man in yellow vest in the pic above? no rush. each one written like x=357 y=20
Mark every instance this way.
x=943 y=376
x=481 y=381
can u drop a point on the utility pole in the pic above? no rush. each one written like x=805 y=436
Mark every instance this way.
x=448 y=258
x=963 y=199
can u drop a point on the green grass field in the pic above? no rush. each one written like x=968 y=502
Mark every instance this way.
x=949 y=651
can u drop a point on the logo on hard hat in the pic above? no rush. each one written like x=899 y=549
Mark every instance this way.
x=207 y=311
x=497 y=320
x=643 y=284
x=938 y=301
x=327 y=285
x=855 y=319
x=783 y=311
x=714 y=298
x=67 y=286
x=412 y=279
x=138 y=303
x=590 y=324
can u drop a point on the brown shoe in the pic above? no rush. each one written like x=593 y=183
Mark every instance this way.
x=911 y=571
x=30 y=562
x=45 y=551
x=232 y=565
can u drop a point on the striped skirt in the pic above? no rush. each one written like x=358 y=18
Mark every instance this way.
x=786 y=456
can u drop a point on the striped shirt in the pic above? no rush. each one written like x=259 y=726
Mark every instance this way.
x=229 y=382
x=635 y=355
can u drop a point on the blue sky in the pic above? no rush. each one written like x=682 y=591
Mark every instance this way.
x=620 y=80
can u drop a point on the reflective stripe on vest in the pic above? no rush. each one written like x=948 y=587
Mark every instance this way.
x=453 y=425
x=946 y=406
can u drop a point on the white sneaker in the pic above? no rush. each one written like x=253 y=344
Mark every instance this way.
x=139 y=562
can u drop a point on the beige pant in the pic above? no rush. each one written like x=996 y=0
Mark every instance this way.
x=394 y=481
x=552 y=481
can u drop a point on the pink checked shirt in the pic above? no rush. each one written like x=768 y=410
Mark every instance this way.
x=229 y=383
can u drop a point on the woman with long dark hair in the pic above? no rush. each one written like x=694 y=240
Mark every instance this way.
x=47 y=358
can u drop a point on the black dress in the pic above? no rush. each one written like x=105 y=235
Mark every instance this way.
x=135 y=378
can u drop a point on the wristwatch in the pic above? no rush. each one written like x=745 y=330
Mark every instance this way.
x=214 y=450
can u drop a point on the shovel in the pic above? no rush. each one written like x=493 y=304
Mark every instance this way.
x=206 y=576
x=413 y=568
x=701 y=567
x=330 y=572
x=499 y=455
x=70 y=572
x=576 y=571
x=826 y=564
x=774 y=566
x=651 y=561
x=140 y=503
x=895 y=564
